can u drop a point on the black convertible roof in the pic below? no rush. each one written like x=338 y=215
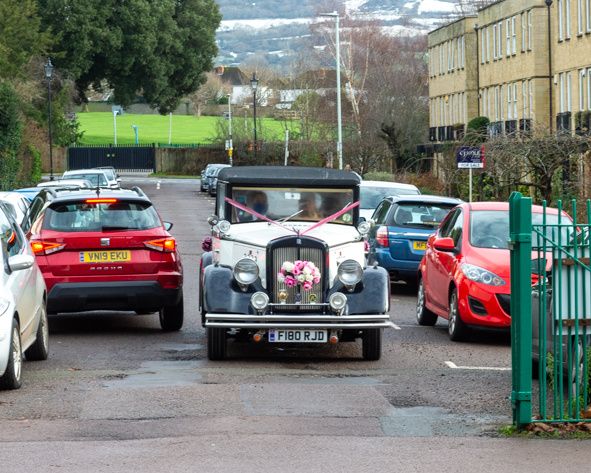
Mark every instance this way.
x=291 y=175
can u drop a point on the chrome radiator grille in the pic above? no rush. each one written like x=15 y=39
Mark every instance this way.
x=292 y=254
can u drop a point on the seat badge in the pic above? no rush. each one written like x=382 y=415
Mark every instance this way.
x=105 y=242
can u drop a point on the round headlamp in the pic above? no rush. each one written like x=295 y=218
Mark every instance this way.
x=246 y=271
x=259 y=300
x=223 y=226
x=350 y=272
x=363 y=228
x=337 y=301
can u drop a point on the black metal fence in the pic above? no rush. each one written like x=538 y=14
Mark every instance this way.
x=124 y=158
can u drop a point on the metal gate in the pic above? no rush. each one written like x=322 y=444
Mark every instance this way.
x=123 y=158
x=551 y=312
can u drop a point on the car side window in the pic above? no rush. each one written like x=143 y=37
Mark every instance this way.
x=11 y=238
x=379 y=216
x=448 y=224
x=32 y=213
x=456 y=231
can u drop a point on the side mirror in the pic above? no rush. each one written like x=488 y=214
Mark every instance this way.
x=444 y=244
x=167 y=226
x=20 y=262
x=362 y=219
x=206 y=244
x=213 y=220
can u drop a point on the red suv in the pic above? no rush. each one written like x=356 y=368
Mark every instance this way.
x=108 y=250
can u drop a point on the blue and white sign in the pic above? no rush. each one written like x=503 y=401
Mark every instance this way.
x=470 y=157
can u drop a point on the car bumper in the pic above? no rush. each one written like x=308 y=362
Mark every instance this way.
x=299 y=321
x=398 y=269
x=480 y=306
x=121 y=295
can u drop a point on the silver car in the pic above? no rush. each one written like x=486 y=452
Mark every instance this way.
x=23 y=317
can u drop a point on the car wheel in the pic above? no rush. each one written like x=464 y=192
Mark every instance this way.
x=424 y=316
x=371 y=344
x=11 y=379
x=40 y=349
x=457 y=329
x=171 y=317
x=216 y=343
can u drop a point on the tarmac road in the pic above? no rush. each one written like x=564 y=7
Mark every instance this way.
x=117 y=394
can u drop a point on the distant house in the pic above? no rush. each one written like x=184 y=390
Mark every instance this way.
x=241 y=88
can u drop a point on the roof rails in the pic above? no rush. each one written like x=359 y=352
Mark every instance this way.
x=138 y=191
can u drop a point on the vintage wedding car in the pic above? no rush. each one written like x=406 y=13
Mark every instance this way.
x=286 y=262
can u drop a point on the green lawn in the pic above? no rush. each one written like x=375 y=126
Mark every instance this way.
x=98 y=128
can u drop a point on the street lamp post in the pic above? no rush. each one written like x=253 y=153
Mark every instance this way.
x=48 y=75
x=230 y=144
x=335 y=15
x=254 y=83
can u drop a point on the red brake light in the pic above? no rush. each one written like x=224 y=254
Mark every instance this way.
x=46 y=248
x=101 y=201
x=382 y=236
x=166 y=245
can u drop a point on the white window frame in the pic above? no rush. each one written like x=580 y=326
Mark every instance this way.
x=463 y=51
x=524 y=99
x=440 y=59
x=530 y=87
x=514 y=100
x=560 y=8
x=530 y=29
x=494 y=35
x=509 y=102
x=513 y=37
x=579 y=17
x=569 y=92
x=488 y=43
x=523 y=31
x=581 y=90
x=482 y=46
x=567 y=29
x=588 y=15
x=500 y=40
x=561 y=96
x=501 y=102
x=508 y=36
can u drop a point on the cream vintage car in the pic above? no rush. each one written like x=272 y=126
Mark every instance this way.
x=286 y=262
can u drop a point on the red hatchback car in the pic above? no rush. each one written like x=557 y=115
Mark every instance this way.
x=465 y=274
x=108 y=251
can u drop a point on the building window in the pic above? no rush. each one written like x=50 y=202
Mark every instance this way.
x=523 y=31
x=509 y=102
x=501 y=103
x=463 y=51
x=482 y=46
x=488 y=43
x=567 y=18
x=582 y=90
x=514 y=100
x=508 y=36
x=561 y=95
x=530 y=87
x=513 y=36
x=524 y=99
x=494 y=42
x=560 y=20
x=440 y=59
x=500 y=40
x=580 y=17
x=530 y=28
x=588 y=15
x=569 y=89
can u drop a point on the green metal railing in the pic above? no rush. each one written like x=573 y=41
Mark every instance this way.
x=551 y=312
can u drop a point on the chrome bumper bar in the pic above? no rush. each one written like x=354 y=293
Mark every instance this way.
x=298 y=321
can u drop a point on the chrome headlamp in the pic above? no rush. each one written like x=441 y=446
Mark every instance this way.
x=337 y=301
x=246 y=271
x=363 y=228
x=350 y=273
x=259 y=301
x=223 y=226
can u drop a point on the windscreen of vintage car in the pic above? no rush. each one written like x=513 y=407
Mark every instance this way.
x=292 y=204
x=419 y=215
x=490 y=229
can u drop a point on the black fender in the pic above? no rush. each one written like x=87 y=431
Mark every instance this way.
x=370 y=296
x=222 y=294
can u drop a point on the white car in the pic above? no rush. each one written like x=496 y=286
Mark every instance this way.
x=286 y=262
x=373 y=192
x=17 y=205
x=97 y=177
x=23 y=317
x=112 y=175
x=79 y=183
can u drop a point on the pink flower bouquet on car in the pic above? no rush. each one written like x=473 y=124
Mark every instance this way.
x=299 y=273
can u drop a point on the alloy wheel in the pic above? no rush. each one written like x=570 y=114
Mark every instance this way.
x=17 y=356
x=420 y=300
x=453 y=313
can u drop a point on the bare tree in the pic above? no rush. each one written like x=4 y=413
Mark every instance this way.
x=211 y=91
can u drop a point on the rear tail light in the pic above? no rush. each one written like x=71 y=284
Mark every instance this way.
x=46 y=247
x=166 y=245
x=382 y=236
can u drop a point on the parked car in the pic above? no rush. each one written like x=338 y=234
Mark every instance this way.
x=206 y=175
x=17 y=204
x=23 y=318
x=97 y=177
x=286 y=262
x=29 y=192
x=373 y=192
x=213 y=180
x=402 y=226
x=112 y=175
x=108 y=251
x=75 y=183
x=464 y=276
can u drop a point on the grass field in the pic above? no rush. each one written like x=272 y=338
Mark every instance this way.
x=98 y=128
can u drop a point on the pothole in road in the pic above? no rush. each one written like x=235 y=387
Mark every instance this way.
x=425 y=421
x=160 y=373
